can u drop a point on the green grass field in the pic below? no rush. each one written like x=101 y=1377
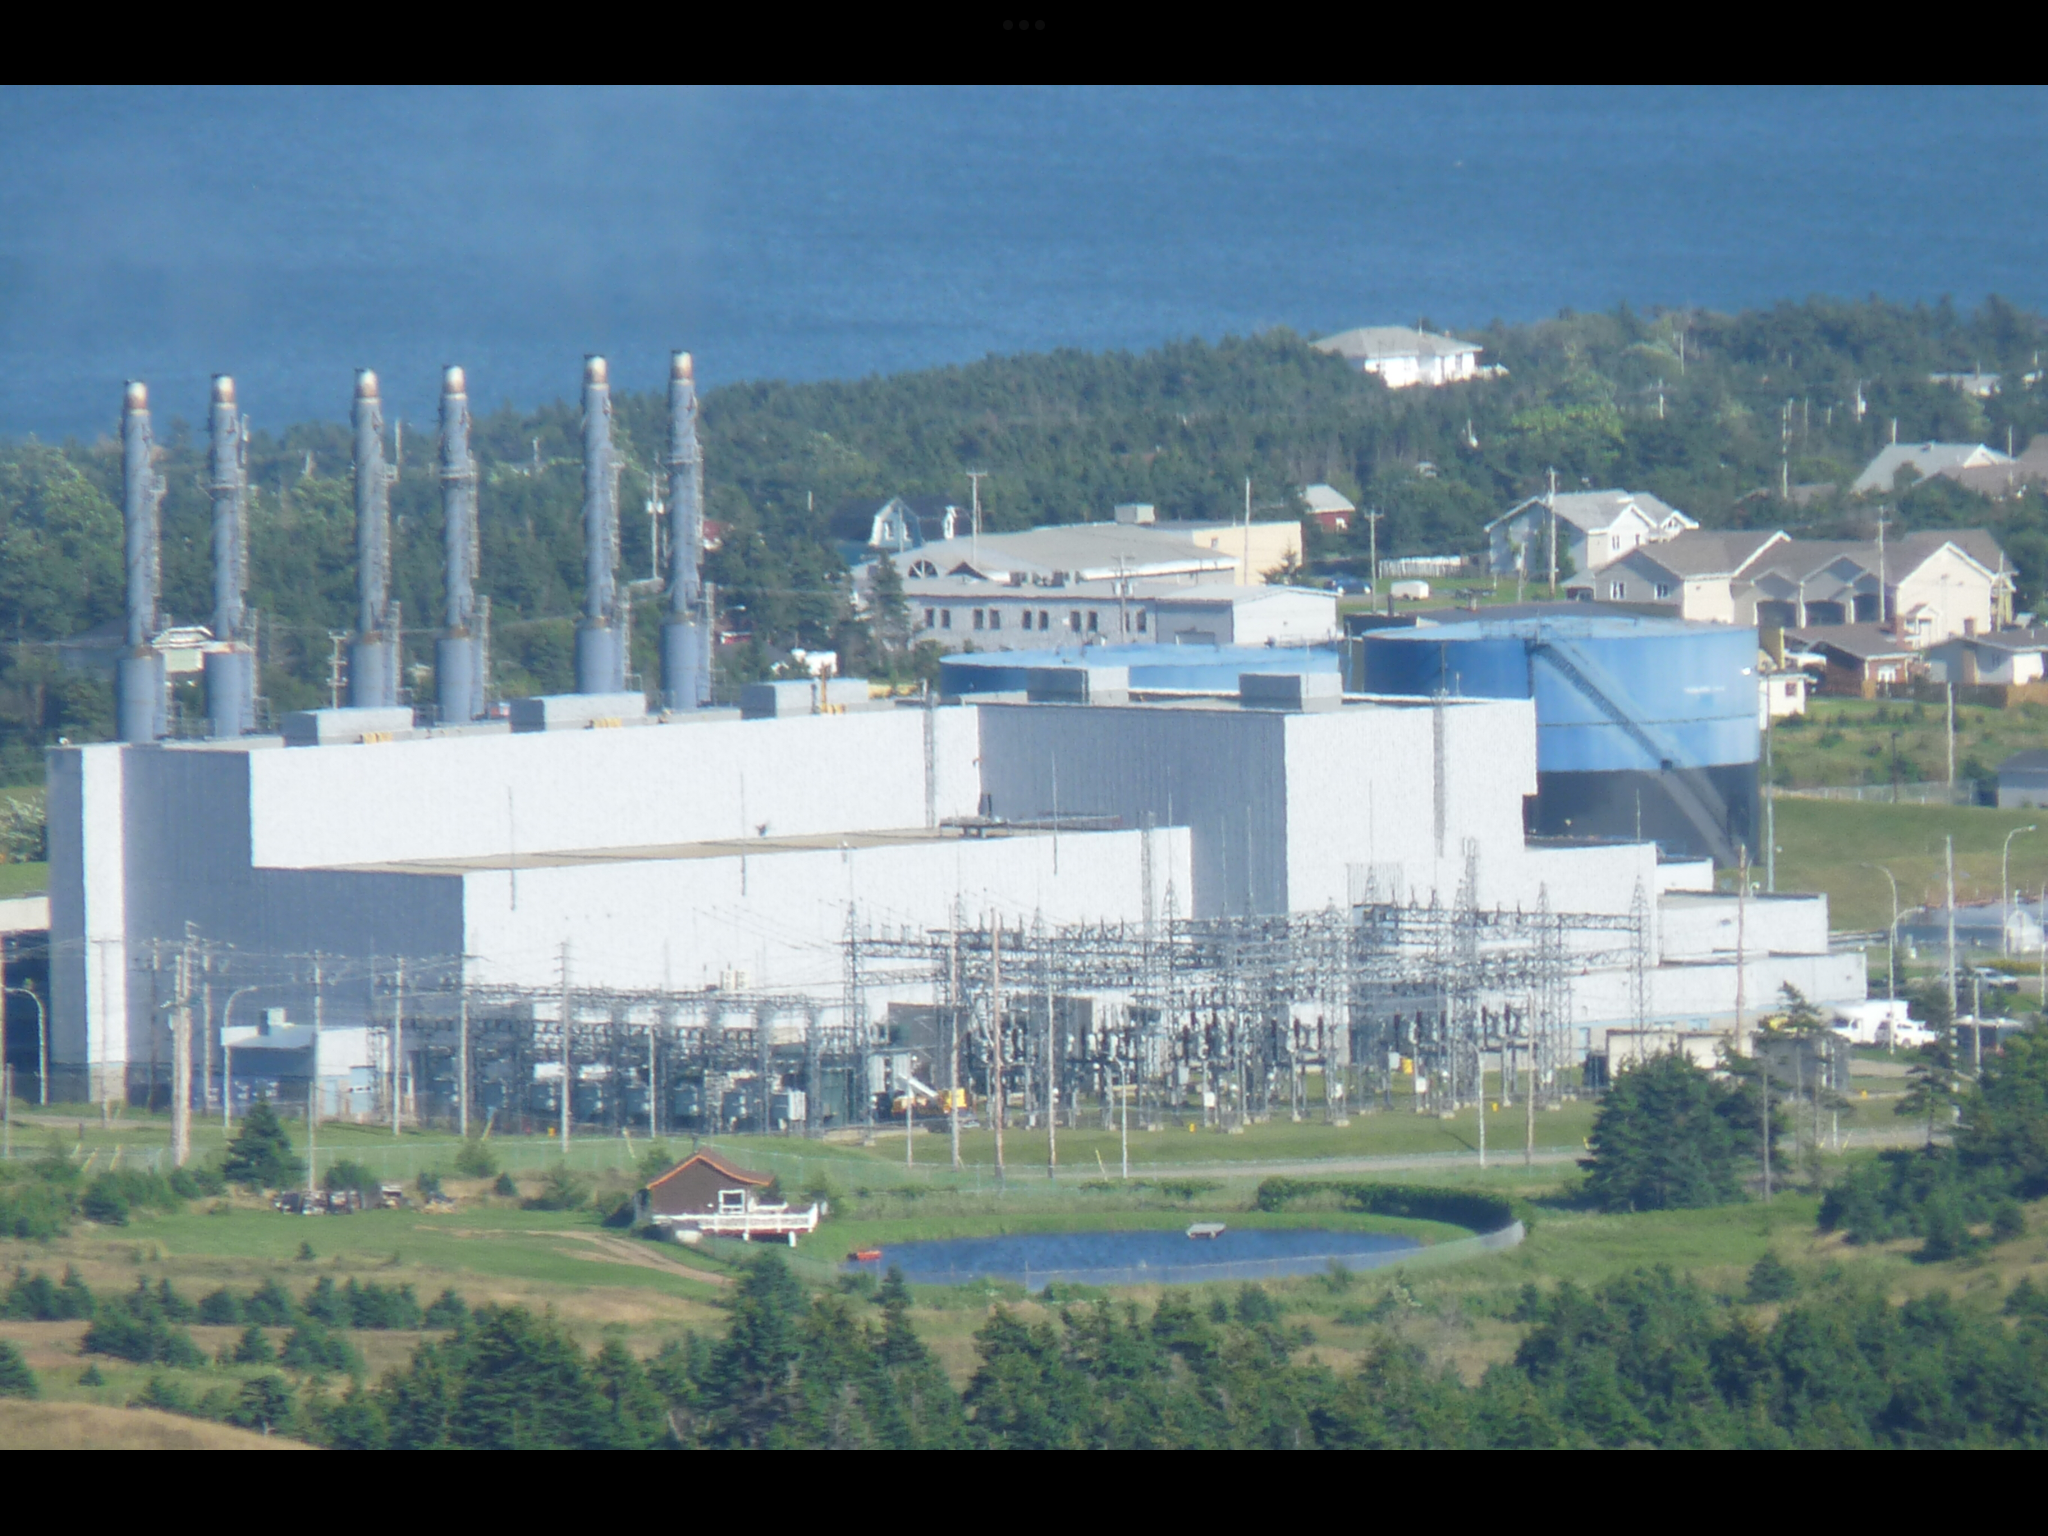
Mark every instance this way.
x=1850 y=741
x=1829 y=845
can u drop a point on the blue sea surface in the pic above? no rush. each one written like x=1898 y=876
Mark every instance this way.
x=1137 y=1258
x=291 y=235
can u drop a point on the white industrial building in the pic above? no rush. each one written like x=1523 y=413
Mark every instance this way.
x=674 y=856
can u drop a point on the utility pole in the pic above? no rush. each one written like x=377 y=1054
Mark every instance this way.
x=1529 y=1105
x=1052 y=1080
x=1770 y=803
x=953 y=1044
x=1948 y=855
x=313 y=1083
x=1951 y=690
x=1741 y=934
x=397 y=1049
x=1884 y=616
x=462 y=1058
x=1247 y=572
x=1550 y=509
x=974 y=478
x=1372 y=516
x=181 y=1058
x=995 y=1020
x=565 y=1051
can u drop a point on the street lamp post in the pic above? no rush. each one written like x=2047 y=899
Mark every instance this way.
x=227 y=1060
x=42 y=1046
x=2005 y=891
x=1891 y=943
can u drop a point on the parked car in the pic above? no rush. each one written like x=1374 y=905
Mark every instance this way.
x=1351 y=586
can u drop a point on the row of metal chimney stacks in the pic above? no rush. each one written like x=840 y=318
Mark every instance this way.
x=460 y=664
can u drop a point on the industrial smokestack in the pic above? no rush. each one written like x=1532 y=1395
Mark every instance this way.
x=458 y=664
x=230 y=672
x=373 y=655
x=600 y=653
x=141 y=700
x=686 y=637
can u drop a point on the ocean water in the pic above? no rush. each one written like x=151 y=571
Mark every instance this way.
x=289 y=236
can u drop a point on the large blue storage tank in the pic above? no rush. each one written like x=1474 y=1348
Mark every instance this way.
x=1645 y=727
x=1175 y=668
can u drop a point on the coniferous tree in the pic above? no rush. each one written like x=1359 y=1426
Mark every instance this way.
x=1668 y=1135
x=16 y=1379
x=261 y=1155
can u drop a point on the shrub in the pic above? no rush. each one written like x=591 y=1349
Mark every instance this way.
x=1772 y=1279
x=90 y=1376
x=104 y=1203
x=173 y=1305
x=347 y=1174
x=197 y=1183
x=474 y=1161
x=168 y=1395
x=2008 y=1221
x=429 y=1185
x=16 y=1379
x=1256 y=1305
x=324 y=1304
x=505 y=1186
x=32 y=1298
x=448 y=1310
x=34 y=1210
x=562 y=1188
x=270 y=1305
x=220 y=1308
x=252 y=1348
x=266 y=1405
x=372 y=1306
x=312 y=1347
x=144 y=1340
x=1458 y=1207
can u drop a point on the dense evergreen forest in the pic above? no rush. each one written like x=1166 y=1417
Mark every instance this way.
x=1705 y=410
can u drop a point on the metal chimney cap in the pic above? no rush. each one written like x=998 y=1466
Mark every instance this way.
x=137 y=397
x=684 y=368
x=594 y=371
x=454 y=381
x=366 y=384
x=223 y=389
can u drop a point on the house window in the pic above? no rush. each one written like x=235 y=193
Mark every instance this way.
x=1141 y=621
x=1091 y=630
x=1791 y=690
x=1044 y=619
x=927 y=618
x=979 y=618
x=945 y=618
x=1616 y=591
x=732 y=1199
x=1027 y=618
x=1663 y=589
x=1074 y=620
x=995 y=618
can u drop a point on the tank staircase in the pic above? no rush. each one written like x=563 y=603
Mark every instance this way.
x=1690 y=791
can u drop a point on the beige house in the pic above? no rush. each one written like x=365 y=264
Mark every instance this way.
x=1402 y=357
x=1694 y=575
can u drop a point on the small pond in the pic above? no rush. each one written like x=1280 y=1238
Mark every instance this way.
x=1167 y=1257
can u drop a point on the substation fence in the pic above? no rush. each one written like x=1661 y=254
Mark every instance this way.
x=1226 y=1018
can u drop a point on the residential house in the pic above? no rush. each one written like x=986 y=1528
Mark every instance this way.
x=699 y=1186
x=900 y=522
x=1781 y=690
x=1594 y=528
x=1881 y=475
x=1328 y=508
x=1402 y=357
x=2023 y=780
x=2012 y=477
x=2010 y=658
x=1860 y=660
x=1944 y=582
x=1695 y=575
x=1802 y=582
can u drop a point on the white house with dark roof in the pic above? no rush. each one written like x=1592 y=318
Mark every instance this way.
x=1594 y=528
x=1402 y=358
